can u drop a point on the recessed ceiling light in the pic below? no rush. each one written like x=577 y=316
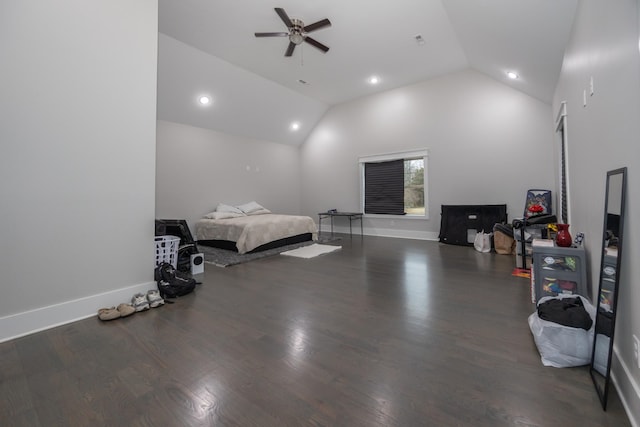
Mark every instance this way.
x=512 y=75
x=294 y=126
x=374 y=80
x=204 y=100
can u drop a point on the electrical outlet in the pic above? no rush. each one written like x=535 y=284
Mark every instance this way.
x=636 y=348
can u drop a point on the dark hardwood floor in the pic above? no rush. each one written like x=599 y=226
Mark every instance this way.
x=385 y=332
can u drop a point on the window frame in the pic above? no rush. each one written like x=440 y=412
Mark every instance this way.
x=400 y=155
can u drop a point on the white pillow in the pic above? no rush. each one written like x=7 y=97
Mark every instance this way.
x=250 y=207
x=223 y=215
x=259 y=212
x=228 y=208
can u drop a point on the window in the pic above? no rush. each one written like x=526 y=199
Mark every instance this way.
x=414 y=186
x=395 y=184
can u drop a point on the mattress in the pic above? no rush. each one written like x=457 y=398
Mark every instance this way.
x=252 y=231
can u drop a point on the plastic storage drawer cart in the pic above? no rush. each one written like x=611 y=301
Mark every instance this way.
x=167 y=250
x=557 y=271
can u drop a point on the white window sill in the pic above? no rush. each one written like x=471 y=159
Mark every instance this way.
x=394 y=217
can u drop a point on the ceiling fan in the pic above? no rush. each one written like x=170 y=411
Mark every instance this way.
x=298 y=32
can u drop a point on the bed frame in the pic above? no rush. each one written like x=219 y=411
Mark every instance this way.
x=231 y=246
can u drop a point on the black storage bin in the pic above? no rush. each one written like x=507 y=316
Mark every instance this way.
x=457 y=220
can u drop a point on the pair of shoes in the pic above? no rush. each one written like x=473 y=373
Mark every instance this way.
x=154 y=298
x=139 y=302
x=123 y=310
x=108 y=313
x=142 y=302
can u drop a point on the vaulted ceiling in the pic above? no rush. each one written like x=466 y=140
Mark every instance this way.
x=208 y=47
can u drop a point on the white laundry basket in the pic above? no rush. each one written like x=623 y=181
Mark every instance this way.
x=167 y=250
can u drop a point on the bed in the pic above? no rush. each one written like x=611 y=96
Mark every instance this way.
x=254 y=231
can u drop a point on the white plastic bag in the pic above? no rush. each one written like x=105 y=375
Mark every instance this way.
x=563 y=346
x=482 y=242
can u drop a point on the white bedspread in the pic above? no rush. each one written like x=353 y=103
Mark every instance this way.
x=252 y=231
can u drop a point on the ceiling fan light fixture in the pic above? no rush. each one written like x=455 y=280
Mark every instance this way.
x=296 y=35
x=296 y=38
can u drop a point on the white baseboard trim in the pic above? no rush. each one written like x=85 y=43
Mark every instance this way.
x=406 y=234
x=390 y=232
x=39 y=319
x=627 y=388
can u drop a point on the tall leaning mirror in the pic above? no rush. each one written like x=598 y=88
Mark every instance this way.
x=607 y=295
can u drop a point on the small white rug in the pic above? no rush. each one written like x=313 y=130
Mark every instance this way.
x=311 y=251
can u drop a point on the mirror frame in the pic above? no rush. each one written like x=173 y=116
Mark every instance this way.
x=596 y=377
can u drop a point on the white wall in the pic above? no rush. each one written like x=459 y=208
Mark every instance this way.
x=77 y=125
x=604 y=136
x=487 y=142
x=199 y=168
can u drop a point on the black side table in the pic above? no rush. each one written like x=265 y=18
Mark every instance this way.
x=353 y=216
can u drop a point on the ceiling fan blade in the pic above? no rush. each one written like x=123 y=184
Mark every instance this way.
x=285 y=18
x=289 y=51
x=316 y=43
x=317 y=25
x=271 y=34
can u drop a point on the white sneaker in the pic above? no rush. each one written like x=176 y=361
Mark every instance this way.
x=154 y=298
x=139 y=302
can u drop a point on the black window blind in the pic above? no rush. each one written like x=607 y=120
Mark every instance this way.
x=384 y=188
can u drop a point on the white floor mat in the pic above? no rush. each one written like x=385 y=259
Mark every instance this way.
x=311 y=251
